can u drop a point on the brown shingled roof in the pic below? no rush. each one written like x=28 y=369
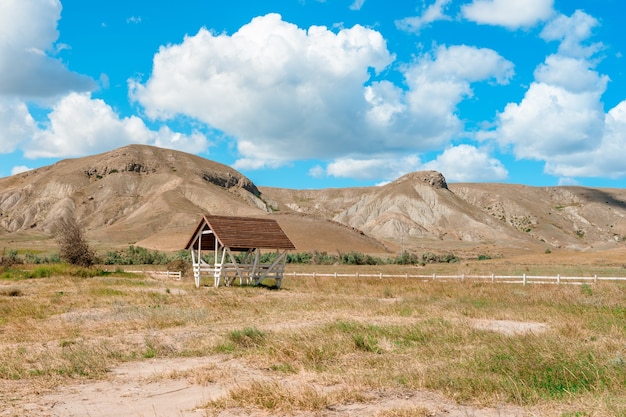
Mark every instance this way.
x=241 y=233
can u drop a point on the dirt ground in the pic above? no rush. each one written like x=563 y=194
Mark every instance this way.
x=160 y=388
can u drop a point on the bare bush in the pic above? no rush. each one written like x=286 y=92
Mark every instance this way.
x=73 y=246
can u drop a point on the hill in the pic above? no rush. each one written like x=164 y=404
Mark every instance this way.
x=420 y=210
x=145 y=196
x=153 y=197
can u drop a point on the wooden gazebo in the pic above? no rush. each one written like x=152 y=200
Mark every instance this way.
x=228 y=236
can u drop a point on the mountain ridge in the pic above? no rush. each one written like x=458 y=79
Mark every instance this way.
x=153 y=197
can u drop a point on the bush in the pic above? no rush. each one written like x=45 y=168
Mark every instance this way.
x=405 y=259
x=10 y=258
x=136 y=255
x=73 y=246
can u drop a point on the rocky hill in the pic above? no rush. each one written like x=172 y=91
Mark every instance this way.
x=420 y=210
x=154 y=197
x=145 y=196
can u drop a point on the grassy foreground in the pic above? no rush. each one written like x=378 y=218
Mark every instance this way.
x=338 y=341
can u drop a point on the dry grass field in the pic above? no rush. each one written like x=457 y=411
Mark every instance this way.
x=76 y=342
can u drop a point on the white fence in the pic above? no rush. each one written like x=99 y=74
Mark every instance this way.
x=509 y=279
x=177 y=275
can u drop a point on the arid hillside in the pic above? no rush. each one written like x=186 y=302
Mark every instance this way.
x=153 y=197
x=149 y=197
x=420 y=210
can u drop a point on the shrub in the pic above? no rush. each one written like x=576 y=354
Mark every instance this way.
x=10 y=258
x=73 y=246
x=405 y=259
x=136 y=255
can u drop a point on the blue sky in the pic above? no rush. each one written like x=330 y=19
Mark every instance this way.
x=317 y=94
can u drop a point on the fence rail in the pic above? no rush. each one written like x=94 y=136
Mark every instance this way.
x=177 y=275
x=510 y=279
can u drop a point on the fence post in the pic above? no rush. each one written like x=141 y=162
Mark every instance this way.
x=595 y=279
x=434 y=276
x=558 y=279
x=524 y=279
x=493 y=278
x=462 y=277
x=335 y=275
x=357 y=275
x=380 y=276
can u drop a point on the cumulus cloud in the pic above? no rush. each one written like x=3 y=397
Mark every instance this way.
x=280 y=90
x=19 y=169
x=432 y=13
x=357 y=4
x=28 y=31
x=438 y=82
x=572 y=32
x=605 y=159
x=79 y=125
x=388 y=168
x=16 y=124
x=507 y=13
x=466 y=163
x=284 y=93
x=561 y=118
x=458 y=163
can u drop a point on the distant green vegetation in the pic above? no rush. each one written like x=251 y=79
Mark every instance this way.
x=137 y=255
x=10 y=273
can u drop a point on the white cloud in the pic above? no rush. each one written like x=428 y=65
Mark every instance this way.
x=465 y=163
x=511 y=14
x=16 y=125
x=565 y=181
x=388 y=168
x=437 y=84
x=79 y=126
x=470 y=64
x=317 y=172
x=280 y=90
x=606 y=159
x=570 y=74
x=432 y=13
x=357 y=4
x=284 y=93
x=27 y=31
x=386 y=101
x=561 y=118
x=458 y=163
x=572 y=32
x=19 y=169
x=551 y=120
